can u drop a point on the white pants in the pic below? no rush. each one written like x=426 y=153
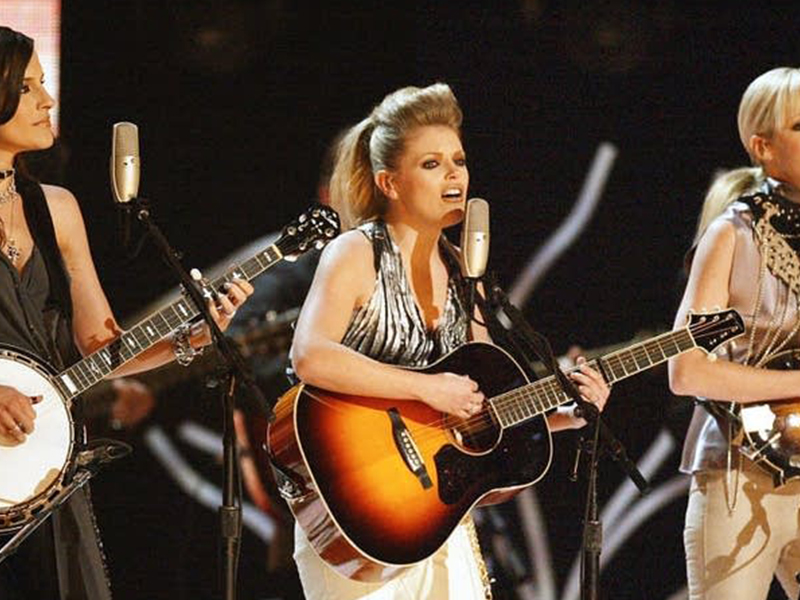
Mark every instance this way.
x=451 y=573
x=733 y=555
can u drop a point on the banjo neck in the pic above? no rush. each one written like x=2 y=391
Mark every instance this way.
x=315 y=227
x=93 y=368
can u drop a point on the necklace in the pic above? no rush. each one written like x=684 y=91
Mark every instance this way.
x=10 y=193
x=10 y=247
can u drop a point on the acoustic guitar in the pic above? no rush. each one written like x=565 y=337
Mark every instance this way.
x=379 y=484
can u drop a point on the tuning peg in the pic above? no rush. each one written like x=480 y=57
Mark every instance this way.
x=711 y=357
x=717 y=308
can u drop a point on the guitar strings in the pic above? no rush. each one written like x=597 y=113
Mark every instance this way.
x=536 y=397
x=521 y=398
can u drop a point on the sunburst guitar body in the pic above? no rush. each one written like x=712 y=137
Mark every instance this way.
x=379 y=485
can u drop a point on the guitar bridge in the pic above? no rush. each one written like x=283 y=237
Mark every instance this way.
x=408 y=449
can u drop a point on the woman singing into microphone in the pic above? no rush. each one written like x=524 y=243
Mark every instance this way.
x=385 y=294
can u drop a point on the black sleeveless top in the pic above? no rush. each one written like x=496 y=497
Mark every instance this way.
x=35 y=305
x=36 y=317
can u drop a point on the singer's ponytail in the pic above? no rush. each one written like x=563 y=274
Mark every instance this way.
x=724 y=189
x=377 y=142
x=352 y=191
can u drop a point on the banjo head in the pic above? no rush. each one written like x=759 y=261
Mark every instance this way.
x=33 y=471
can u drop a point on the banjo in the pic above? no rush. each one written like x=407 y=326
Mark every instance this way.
x=33 y=472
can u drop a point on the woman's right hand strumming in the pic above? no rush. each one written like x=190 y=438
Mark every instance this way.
x=16 y=413
x=456 y=395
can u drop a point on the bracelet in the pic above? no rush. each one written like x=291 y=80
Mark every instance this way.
x=185 y=353
x=570 y=412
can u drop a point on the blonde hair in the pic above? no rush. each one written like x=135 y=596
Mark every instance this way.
x=763 y=108
x=765 y=104
x=724 y=189
x=377 y=142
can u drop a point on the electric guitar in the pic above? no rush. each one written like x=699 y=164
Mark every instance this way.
x=33 y=472
x=379 y=484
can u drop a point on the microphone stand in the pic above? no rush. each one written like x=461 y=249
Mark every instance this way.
x=522 y=334
x=236 y=372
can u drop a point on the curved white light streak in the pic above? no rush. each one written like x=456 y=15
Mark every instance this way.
x=641 y=510
x=573 y=225
x=534 y=529
x=648 y=464
x=195 y=486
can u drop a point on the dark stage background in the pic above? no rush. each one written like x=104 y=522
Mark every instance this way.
x=236 y=101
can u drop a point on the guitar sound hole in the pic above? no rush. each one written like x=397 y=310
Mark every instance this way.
x=479 y=433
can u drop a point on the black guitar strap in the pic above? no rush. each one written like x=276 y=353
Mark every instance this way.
x=59 y=303
x=41 y=226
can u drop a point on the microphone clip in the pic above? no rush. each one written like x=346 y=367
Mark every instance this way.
x=134 y=210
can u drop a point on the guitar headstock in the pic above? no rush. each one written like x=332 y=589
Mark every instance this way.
x=710 y=330
x=313 y=229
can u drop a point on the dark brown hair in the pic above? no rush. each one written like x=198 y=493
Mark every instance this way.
x=16 y=50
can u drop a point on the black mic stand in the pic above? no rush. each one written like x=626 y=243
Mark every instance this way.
x=236 y=372
x=522 y=335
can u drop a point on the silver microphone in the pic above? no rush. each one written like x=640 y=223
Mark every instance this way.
x=125 y=163
x=475 y=239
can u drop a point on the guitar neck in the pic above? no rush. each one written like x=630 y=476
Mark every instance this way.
x=87 y=372
x=536 y=398
x=269 y=339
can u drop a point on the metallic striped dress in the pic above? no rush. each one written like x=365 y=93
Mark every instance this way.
x=390 y=328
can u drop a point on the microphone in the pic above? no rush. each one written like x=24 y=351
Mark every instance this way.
x=475 y=239
x=125 y=171
x=474 y=247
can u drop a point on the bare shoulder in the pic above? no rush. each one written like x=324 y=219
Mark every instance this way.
x=62 y=204
x=351 y=250
x=67 y=219
x=347 y=266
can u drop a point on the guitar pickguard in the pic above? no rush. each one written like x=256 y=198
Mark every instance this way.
x=521 y=458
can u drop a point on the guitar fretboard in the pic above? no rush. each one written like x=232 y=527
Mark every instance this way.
x=87 y=372
x=536 y=398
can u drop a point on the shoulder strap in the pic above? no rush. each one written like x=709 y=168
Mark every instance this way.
x=40 y=223
x=375 y=232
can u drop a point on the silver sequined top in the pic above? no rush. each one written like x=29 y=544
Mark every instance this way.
x=389 y=326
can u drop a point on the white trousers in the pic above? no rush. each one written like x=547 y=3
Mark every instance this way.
x=451 y=573
x=733 y=555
